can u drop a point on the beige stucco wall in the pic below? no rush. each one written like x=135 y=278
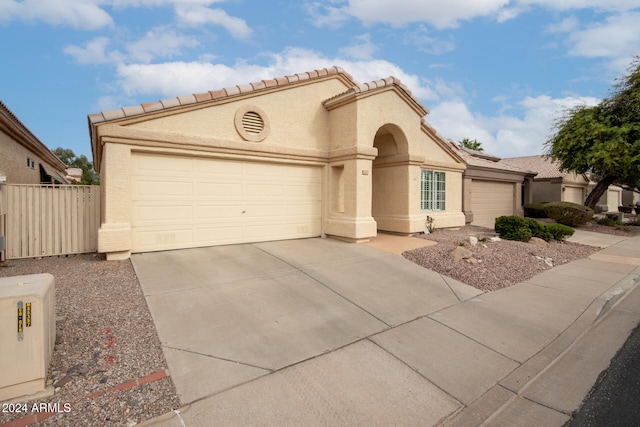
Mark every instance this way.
x=296 y=121
x=302 y=131
x=13 y=162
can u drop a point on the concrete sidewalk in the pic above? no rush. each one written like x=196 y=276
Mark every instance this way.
x=318 y=332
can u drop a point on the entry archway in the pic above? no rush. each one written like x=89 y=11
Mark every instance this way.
x=389 y=183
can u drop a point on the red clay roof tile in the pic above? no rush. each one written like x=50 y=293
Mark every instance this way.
x=216 y=94
x=201 y=97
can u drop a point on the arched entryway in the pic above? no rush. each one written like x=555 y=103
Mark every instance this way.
x=389 y=198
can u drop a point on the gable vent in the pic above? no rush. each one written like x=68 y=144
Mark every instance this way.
x=252 y=122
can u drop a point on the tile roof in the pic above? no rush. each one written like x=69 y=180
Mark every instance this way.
x=353 y=91
x=24 y=136
x=487 y=161
x=217 y=94
x=545 y=167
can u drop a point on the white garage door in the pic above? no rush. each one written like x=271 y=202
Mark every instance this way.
x=183 y=202
x=573 y=195
x=489 y=200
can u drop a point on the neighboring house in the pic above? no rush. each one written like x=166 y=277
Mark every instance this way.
x=610 y=200
x=490 y=188
x=311 y=154
x=24 y=159
x=550 y=184
x=74 y=174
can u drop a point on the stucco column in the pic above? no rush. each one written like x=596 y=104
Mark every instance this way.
x=466 y=200
x=354 y=222
x=114 y=235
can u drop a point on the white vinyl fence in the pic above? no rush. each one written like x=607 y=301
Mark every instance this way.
x=48 y=220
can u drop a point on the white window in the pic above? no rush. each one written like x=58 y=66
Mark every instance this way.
x=432 y=190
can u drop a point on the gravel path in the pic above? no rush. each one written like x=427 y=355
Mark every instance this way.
x=105 y=338
x=503 y=263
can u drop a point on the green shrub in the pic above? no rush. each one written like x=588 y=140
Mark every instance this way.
x=559 y=232
x=513 y=228
x=522 y=229
x=538 y=229
x=535 y=210
x=568 y=213
x=609 y=222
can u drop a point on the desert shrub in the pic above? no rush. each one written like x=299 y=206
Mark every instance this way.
x=538 y=229
x=523 y=229
x=513 y=228
x=535 y=210
x=609 y=222
x=568 y=213
x=559 y=232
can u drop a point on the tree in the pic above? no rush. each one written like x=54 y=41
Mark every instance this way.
x=603 y=139
x=472 y=145
x=67 y=156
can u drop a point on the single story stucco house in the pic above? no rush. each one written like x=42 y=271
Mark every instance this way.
x=551 y=184
x=310 y=154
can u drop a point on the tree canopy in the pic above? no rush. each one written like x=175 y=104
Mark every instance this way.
x=68 y=157
x=471 y=144
x=604 y=139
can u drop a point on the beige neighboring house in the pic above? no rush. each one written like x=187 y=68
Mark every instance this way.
x=74 y=174
x=490 y=188
x=610 y=200
x=306 y=155
x=550 y=184
x=24 y=159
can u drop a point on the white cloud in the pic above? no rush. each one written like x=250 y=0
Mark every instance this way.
x=448 y=14
x=159 y=43
x=84 y=14
x=437 y=13
x=427 y=43
x=200 y=15
x=323 y=15
x=93 y=52
x=362 y=48
x=617 y=37
x=567 y=25
x=181 y=78
x=520 y=131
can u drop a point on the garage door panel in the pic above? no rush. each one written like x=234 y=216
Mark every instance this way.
x=161 y=214
x=489 y=200
x=219 y=189
x=153 y=189
x=573 y=195
x=204 y=202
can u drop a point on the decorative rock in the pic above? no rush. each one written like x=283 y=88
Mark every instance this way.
x=472 y=260
x=460 y=253
x=495 y=239
x=63 y=381
x=473 y=240
x=538 y=242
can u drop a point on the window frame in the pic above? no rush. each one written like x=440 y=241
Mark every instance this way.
x=433 y=190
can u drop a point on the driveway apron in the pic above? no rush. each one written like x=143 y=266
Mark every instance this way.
x=227 y=315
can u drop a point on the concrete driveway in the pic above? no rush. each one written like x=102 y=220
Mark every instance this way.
x=228 y=315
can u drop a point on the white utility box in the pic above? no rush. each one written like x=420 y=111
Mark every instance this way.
x=27 y=333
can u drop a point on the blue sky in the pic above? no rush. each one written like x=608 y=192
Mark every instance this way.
x=498 y=71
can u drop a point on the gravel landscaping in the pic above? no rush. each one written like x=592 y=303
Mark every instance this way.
x=503 y=263
x=105 y=339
